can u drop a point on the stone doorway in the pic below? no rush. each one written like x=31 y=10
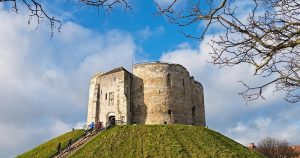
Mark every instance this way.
x=112 y=120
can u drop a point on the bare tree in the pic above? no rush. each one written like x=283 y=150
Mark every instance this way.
x=267 y=39
x=273 y=148
x=37 y=11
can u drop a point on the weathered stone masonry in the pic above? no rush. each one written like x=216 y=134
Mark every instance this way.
x=154 y=93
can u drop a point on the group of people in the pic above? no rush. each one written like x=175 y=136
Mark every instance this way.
x=59 y=145
x=98 y=126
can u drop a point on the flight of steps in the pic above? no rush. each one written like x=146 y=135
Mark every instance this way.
x=78 y=144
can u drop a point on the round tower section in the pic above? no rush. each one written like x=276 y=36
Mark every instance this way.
x=162 y=94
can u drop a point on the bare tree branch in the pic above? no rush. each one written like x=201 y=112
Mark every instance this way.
x=268 y=39
x=36 y=10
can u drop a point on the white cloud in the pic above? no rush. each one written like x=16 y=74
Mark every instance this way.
x=44 y=81
x=147 y=32
x=256 y=129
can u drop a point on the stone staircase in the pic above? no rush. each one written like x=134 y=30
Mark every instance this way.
x=78 y=144
x=83 y=139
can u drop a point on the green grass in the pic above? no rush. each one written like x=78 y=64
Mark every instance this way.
x=48 y=148
x=172 y=141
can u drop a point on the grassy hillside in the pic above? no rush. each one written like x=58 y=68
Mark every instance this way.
x=163 y=141
x=46 y=149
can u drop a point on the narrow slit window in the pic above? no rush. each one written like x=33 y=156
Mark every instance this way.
x=105 y=96
x=168 y=80
x=111 y=98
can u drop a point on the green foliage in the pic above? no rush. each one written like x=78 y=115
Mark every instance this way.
x=48 y=148
x=162 y=141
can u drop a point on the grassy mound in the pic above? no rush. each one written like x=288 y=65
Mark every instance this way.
x=163 y=141
x=48 y=148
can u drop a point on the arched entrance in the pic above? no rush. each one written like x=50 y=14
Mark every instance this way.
x=111 y=119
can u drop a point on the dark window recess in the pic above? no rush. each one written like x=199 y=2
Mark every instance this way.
x=170 y=115
x=165 y=122
x=105 y=96
x=168 y=80
x=183 y=82
x=193 y=115
x=101 y=91
x=141 y=88
x=111 y=98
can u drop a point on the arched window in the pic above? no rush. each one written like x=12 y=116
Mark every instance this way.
x=168 y=80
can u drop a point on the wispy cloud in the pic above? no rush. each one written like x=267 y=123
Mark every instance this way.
x=147 y=32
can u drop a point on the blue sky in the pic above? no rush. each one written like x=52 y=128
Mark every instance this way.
x=142 y=22
x=44 y=81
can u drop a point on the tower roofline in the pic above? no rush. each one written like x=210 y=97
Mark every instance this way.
x=158 y=62
x=111 y=71
x=116 y=70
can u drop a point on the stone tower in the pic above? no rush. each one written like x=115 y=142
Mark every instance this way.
x=154 y=93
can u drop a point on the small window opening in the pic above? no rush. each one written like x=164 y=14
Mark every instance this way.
x=168 y=80
x=101 y=91
x=141 y=88
x=170 y=115
x=193 y=115
x=105 y=96
x=165 y=122
x=183 y=82
x=111 y=98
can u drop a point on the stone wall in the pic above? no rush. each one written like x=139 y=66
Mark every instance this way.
x=113 y=97
x=93 y=99
x=163 y=94
x=155 y=93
